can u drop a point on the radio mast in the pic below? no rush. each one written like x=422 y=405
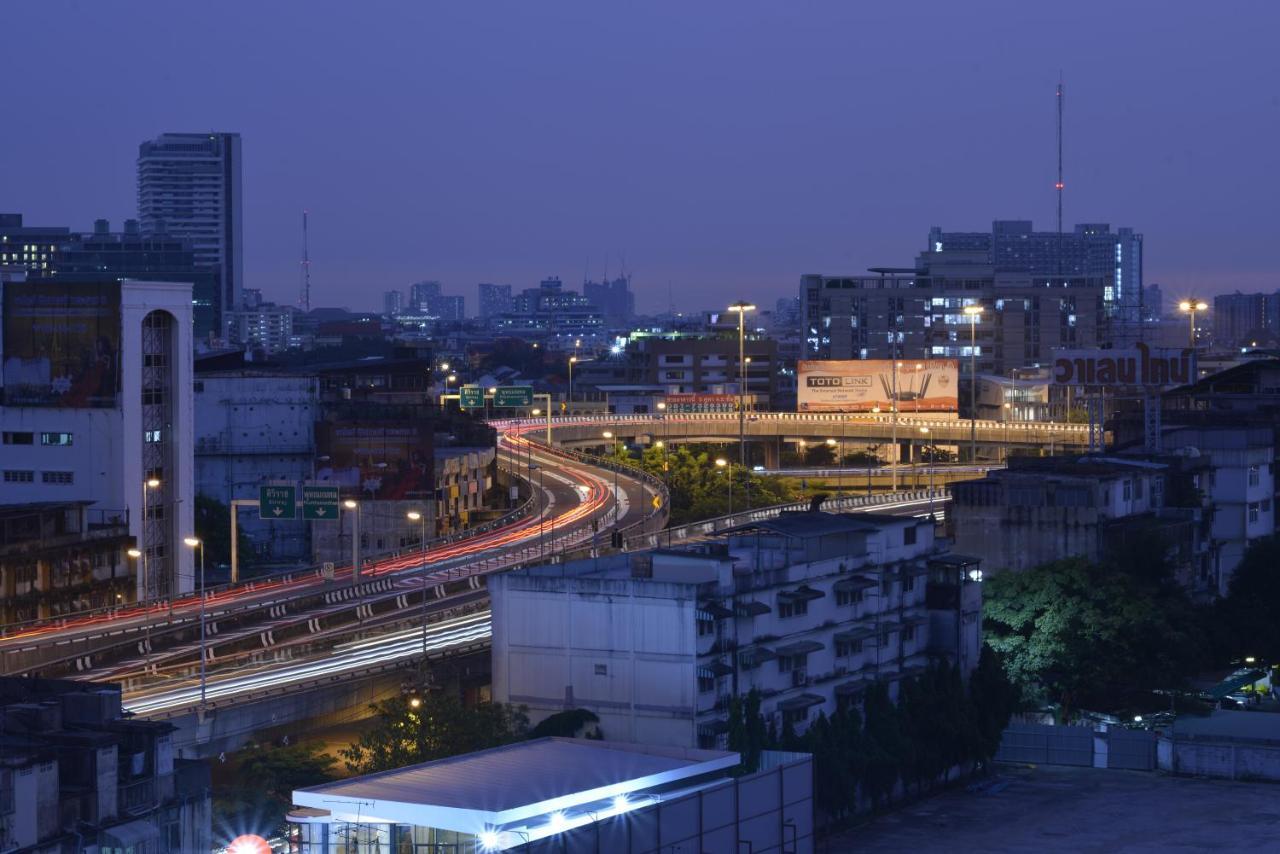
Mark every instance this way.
x=304 y=298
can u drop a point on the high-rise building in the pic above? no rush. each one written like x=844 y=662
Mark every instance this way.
x=95 y=401
x=494 y=299
x=104 y=255
x=420 y=293
x=1092 y=250
x=1152 y=303
x=447 y=309
x=189 y=186
x=1240 y=318
x=392 y=302
x=614 y=299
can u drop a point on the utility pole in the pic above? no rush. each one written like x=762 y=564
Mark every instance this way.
x=304 y=299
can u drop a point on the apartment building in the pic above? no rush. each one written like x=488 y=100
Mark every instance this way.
x=809 y=609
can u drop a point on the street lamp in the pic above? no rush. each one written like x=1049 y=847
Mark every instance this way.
x=722 y=463
x=421 y=516
x=149 y=484
x=1191 y=306
x=742 y=308
x=974 y=312
x=354 y=507
x=608 y=434
x=541 y=497
x=831 y=443
x=573 y=360
x=196 y=543
x=924 y=431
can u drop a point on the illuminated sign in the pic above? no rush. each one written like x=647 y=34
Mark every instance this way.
x=1137 y=367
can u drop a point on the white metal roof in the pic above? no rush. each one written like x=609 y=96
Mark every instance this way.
x=476 y=791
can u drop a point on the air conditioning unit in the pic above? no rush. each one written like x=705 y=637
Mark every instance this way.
x=799 y=677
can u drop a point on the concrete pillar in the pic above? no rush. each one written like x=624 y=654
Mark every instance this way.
x=772 y=454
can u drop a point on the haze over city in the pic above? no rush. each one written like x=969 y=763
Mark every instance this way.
x=719 y=149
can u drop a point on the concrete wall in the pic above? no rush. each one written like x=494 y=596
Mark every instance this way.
x=1224 y=758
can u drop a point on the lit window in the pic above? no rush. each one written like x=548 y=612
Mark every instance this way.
x=55 y=438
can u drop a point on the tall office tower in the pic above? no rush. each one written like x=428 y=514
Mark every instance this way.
x=494 y=299
x=189 y=186
x=448 y=309
x=614 y=299
x=392 y=302
x=1092 y=250
x=1240 y=319
x=1153 y=302
x=421 y=293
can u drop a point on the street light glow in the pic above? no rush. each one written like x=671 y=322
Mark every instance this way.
x=721 y=462
x=134 y=553
x=414 y=515
x=153 y=482
x=973 y=310
x=741 y=307
x=608 y=434
x=349 y=504
x=191 y=541
x=489 y=840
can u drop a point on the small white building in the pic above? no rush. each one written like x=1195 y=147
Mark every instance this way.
x=97 y=403
x=809 y=609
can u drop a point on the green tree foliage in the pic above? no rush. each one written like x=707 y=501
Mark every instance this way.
x=260 y=792
x=699 y=488
x=571 y=723
x=213 y=527
x=747 y=733
x=995 y=699
x=1247 y=620
x=437 y=727
x=1089 y=636
x=864 y=459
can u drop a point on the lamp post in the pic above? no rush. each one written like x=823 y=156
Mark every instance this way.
x=135 y=554
x=831 y=443
x=573 y=360
x=147 y=485
x=196 y=543
x=742 y=308
x=722 y=463
x=541 y=498
x=608 y=434
x=974 y=312
x=1008 y=412
x=924 y=431
x=1190 y=307
x=447 y=380
x=421 y=516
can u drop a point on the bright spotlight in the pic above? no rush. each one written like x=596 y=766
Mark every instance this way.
x=558 y=822
x=489 y=840
x=621 y=804
x=249 y=844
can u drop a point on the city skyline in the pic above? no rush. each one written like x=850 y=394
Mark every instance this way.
x=738 y=152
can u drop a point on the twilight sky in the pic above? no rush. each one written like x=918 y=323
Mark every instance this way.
x=722 y=148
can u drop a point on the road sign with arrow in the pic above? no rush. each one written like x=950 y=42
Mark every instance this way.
x=277 y=502
x=319 y=502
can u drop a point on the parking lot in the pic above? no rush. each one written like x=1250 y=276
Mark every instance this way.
x=1056 y=808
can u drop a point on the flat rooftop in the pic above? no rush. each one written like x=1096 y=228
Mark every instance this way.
x=515 y=783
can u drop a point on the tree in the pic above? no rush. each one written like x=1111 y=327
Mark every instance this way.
x=213 y=527
x=571 y=723
x=1248 y=618
x=994 y=699
x=747 y=734
x=1081 y=635
x=869 y=458
x=419 y=729
x=699 y=489
x=265 y=777
x=883 y=745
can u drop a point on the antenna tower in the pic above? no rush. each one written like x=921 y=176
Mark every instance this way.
x=1058 y=186
x=304 y=299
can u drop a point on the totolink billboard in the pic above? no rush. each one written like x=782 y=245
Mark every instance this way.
x=1140 y=366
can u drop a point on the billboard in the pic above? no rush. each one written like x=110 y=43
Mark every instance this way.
x=1140 y=366
x=380 y=460
x=701 y=402
x=862 y=385
x=61 y=344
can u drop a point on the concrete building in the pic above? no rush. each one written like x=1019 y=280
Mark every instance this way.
x=97 y=403
x=558 y=318
x=189 y=185
x=1239 y=319
x=1152 y=303
x=447 y=309
x=266 y=328
x=1090 y=250
x=919 y=314
x=59 y=558
x=687 y=363
x=256 y=425
x=614 y=299
x=556 y=795
x=421 y=293
x=76 y=775
x=393 y=302
x=808 y=608
x=493 y=300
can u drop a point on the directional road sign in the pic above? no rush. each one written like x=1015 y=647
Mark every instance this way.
x=276 y=502
x=319 y=502
x=471 y=397
x=516 y=395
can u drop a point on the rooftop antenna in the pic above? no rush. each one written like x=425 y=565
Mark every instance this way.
x=304 y=299
x=1058 y=186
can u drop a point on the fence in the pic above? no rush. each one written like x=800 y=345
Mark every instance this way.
x=1039 y=744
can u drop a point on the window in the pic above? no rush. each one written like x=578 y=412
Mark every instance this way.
x=18 y=438
x=909 y=535
x=12 y=476
x=792 y=608
x=706 y=627
x=706 y=684
x=151 y=436
x=153 y=360
x=848 y=597
x=908 y=583
x=55 y=438
x=152 y=397
x=908 y=634
x=602 y=670
x=845 y=649
x=64 y=478
x=788 y=663
x=1253 y=475
x=1253 y=512
x=1128 y=490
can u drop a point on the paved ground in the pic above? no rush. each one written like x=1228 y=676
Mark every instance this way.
x=1081 y=809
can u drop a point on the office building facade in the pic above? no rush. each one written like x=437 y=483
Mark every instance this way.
x=392 y=302
x=493 y=299
x=1240 y=319
x=189 y=185
x=614 y=299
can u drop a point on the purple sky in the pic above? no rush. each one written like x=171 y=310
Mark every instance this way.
x=723 y=148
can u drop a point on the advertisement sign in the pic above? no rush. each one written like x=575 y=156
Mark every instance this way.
x=701 y=402
x=381 y=460
x=61 y=344
x=1140 y=366
x=863 y=385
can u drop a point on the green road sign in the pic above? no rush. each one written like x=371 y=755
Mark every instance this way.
x=471 y=397
x=276 y=502
x=516 y=395
x=319 y=502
